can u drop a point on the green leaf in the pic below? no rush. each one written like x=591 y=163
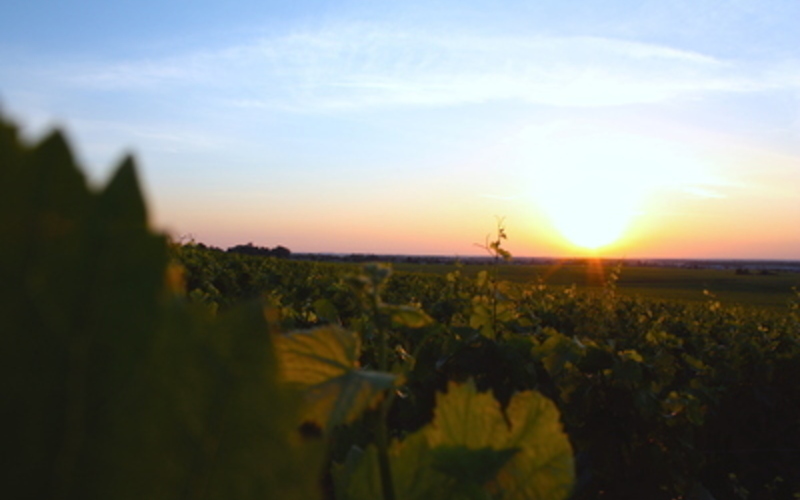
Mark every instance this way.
x=409 y=316
x=472 y=449
x=412 y=471
x=557 y=351
x=482 y=279
x=323 y=363
x=114 y=387
x=468 y=465
x=122 y=198
x=543 y=468
x=465 y=417
x=377 y=274
x=502 y=252
x=208 y=415
x=325 y=309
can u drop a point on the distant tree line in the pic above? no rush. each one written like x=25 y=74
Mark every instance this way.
x=279 y=251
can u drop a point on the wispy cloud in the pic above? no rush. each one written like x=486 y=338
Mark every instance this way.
x=357 y=66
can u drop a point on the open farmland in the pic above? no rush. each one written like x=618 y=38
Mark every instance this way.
x=669 y=283
x=139 y=367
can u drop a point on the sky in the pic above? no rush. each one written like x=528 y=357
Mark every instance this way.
x=621 y=128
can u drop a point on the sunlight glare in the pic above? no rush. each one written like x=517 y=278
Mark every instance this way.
x=593 y=185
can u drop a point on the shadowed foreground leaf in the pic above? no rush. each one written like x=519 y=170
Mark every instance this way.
x=112 y=386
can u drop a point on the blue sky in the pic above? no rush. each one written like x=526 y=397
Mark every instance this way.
x=649 y=128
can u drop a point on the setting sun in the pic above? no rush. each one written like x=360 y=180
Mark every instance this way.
x=592 y=184
x=566 y=234
x=401 y=129
x=592 y=228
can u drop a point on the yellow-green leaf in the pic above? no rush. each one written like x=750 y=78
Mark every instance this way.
x=472 y=449
x=323 y=363
x=543 y=468
x=469 y=466
x=409 y=316
x=325 y=309
x=412 y=472
x=465 y=417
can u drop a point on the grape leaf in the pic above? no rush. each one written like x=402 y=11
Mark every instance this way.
x=470 y=450
x=413 y=473
x=323 y=363
x=470 y=466
x=541 y=467
x=115 y=388
x=465 y=417
x=409 y=316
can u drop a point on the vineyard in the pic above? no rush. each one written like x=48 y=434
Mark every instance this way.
x=136 y=367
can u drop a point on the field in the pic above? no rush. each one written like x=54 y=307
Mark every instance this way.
x=137 y=367
x=664 y=283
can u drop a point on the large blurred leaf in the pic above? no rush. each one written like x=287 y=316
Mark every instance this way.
x=205 y=417
x=113 y=388
x=80 y=275
x=323 y=363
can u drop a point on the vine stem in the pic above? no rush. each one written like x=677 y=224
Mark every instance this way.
x=382 y=431
x=382 y=438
